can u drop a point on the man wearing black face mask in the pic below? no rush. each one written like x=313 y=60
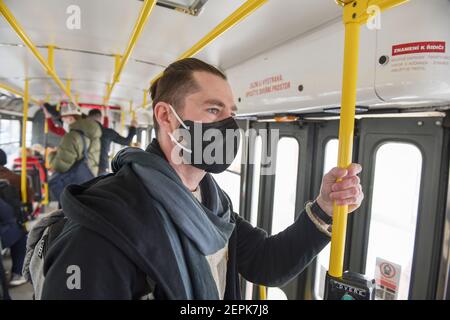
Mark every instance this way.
x=160 y=227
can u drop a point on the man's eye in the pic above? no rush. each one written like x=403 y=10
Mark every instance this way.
x=213 y=110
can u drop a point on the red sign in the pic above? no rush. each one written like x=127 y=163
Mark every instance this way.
x=418 y=47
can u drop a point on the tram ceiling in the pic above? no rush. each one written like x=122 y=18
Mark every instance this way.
x=88 y=52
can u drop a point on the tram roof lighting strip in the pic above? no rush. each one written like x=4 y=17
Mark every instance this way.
x=146 y=10
x=16 y=92
x=21 y=33
x=242 y=12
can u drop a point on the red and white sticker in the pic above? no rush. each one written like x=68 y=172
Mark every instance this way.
x=387 y=278
x=419 y=47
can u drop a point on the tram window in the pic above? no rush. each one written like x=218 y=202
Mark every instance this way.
x=9 y=140
x=135 y=138
x=230 y=180
x=29 y=133
x=255 y=154
x=395 y=200
x=276 y=294
x=285 y=184
x=144 y=133
x=285 y=194
x=323 y=259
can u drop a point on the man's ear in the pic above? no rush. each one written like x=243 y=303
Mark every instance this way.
x=162 y=114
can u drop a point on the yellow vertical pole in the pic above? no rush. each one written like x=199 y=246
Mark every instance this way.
x=23 y=175
x=262 y=293
x=346 y=131
x=144 y=103
x=355 y=13
x=122 y=121
x=46 y=198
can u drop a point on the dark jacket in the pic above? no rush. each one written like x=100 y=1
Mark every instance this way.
x=109 y=135
x=117 y=239
x=15 y=180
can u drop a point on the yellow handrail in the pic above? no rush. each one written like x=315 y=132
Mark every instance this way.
x=17 y=92
x=22 y=35
x=355 y=13
x=120 y=61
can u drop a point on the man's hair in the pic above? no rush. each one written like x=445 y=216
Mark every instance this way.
x=177 y=81
x=94 y=113
x=3 y=158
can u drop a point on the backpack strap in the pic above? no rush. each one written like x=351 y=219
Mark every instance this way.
x=83 y=139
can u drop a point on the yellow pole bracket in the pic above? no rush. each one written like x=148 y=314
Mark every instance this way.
x=120 y=62
x=68 y=85
x=51 y=57
x=117 y=62
x=144 y=102
x=355 y=13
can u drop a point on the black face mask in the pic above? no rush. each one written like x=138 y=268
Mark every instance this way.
x=208 y=146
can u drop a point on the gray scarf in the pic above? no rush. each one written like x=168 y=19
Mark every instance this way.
x=195 y=230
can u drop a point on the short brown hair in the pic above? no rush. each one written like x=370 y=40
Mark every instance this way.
x=177 y=81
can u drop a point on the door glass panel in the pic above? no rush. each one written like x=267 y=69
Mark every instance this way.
x=323 y=259
x=257 y=154
x=285 y=194
x=285 y=184
x=29 y=133
x=255 y=159
x=144 y=134
x=395 y=200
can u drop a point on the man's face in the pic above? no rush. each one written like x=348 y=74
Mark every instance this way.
x=68 y=120
x=213 y=102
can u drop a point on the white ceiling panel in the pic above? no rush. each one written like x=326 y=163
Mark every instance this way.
x=106 y=26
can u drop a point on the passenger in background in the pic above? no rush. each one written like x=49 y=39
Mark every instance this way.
x=12 y=235
x=161 y=228
x=109 y=135
x=13 y=178
x=70 y=149
x=52 y=127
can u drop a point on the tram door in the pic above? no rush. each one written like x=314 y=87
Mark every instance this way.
x=396 y=235
x=277 y=182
